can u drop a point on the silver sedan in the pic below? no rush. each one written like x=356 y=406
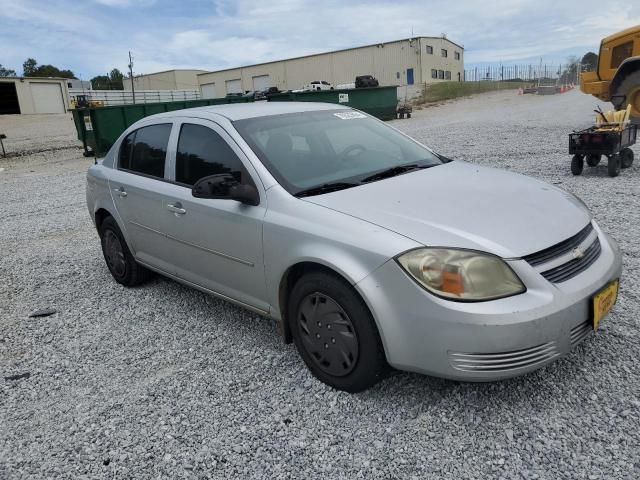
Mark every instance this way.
x=368 y=248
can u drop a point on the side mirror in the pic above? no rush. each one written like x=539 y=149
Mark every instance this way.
x=225 y=187
x=244 y=193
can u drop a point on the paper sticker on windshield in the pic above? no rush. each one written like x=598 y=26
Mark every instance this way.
x=350 y=115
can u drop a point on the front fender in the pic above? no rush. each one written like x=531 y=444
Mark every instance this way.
x=626 y=68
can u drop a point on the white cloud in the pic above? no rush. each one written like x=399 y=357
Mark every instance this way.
x=226 y=33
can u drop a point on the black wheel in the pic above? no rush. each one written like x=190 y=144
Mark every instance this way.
x=626 y=157
x=593 y=159
x=335 y=333
x=577 y=164
x=120 y=261
x=613 y=167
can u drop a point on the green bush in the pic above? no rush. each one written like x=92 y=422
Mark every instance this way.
x=435 y=92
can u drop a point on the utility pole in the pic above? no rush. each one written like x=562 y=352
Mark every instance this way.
x=133 y=91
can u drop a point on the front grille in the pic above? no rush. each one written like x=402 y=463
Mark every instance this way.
x=580 y=332
x=548 y=254
x=573 y=267
x=505 y=361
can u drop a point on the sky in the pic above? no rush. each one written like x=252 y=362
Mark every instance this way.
x=90 y=37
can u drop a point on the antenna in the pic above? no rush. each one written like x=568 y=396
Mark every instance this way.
x=133 y=91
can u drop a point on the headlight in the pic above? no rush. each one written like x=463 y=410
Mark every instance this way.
x=461 y=274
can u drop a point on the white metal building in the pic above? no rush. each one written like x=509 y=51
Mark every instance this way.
x=411 y=62
x=167 y=80
x=33 y=95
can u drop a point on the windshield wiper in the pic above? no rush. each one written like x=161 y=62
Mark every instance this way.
x=326 y=188
x=393 y=171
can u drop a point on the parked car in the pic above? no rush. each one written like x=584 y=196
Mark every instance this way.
x=265 y=94
x=364 y=81
x=317 y=85
x=367 y=247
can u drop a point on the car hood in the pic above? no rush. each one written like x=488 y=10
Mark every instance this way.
x=463 y=205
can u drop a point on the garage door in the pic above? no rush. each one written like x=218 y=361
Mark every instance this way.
x=261 y=82
x=208 y=90
x=8 y=99
x=233 y=86
x=47 y=98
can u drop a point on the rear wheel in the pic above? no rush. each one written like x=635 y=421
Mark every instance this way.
x=577 y=164
x=626 y=157
x=613 y=166
x=120 y=261
x=593 y=159
x=335 y=333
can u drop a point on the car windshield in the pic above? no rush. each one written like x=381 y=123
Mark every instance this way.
x=311 y=151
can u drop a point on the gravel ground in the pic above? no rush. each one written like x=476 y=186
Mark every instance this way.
x=164 y=381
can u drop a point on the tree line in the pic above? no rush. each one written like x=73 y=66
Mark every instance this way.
x=30 y=68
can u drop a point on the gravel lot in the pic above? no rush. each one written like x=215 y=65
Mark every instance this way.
x=164 y=381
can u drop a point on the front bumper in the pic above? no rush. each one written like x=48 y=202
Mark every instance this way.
x=491 y=340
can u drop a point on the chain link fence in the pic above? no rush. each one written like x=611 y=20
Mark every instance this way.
x=540 y=73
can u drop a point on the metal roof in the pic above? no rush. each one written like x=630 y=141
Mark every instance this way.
x=332 y=51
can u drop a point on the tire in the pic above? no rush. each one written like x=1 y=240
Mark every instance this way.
x=630 y=88
x=577 y=164
x=613 y=166
x=626 y=157
x=120 y=262
x=322 y=304
x=593 y=159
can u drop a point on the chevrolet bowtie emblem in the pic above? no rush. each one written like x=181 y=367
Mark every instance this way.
x=577 y=253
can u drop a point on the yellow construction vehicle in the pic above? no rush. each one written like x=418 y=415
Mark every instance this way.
x=617 y=78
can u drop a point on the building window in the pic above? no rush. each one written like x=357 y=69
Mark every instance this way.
x=429 y=49
x=444 y=52
x=398 y=75
x=447 y=75
x=456 y=55
x=434 y=73
x=441 y=74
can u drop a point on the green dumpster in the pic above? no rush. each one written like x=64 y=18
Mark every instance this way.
x=380 y=102
x=99 y=127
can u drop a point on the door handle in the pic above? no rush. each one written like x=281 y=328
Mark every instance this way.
x=176 y=208
x=120 y=191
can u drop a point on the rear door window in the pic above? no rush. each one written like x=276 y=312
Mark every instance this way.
x=203 y=152
x=145 y=150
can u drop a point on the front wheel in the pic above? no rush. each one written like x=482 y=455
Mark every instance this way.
x=577 y=164
x=626 y=157
x=335 y=333
x=613 y=166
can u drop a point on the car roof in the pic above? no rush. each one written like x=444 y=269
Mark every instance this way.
x=240 y=111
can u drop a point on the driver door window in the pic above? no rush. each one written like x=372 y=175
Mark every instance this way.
x=202 y=152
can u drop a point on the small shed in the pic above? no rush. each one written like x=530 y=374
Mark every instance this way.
x=28 y=95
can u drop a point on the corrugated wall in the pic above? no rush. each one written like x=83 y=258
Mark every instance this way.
x=388 y=62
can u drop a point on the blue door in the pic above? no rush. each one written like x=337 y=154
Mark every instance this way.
x=409 y=76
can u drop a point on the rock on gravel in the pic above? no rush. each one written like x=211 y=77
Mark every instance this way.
x=164 y=381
